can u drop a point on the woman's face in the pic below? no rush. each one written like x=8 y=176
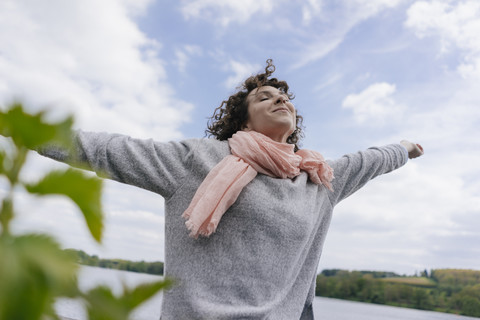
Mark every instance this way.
x=271 y=113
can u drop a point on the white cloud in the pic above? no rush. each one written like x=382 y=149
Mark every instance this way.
x=413 y=218
x=317 y=49
x=368 y=8
x=410 y=219
x=241 y=70
x=91 y=59
x=183 y=55
x=318 y=33
x=62 y=56
x=457 y=24
x=427 y=210
x=374 y=104
x=136 y=7
x=99 y=66
x=310 y=9
x=137 y=234
x=225 y=12
x=326 y=34
x=330 y=80
x=133 y=220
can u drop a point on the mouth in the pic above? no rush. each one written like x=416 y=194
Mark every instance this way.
x=282 y=109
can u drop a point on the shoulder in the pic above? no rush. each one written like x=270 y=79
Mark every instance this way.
x=207 y=149
x=205 y=144
x=204 y=154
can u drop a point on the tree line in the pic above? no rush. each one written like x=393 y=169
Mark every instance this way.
x=446 y=290
x=118 y=264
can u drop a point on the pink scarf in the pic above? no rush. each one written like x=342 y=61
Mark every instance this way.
x=252 y=152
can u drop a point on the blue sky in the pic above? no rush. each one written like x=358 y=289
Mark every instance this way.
x=364 y=72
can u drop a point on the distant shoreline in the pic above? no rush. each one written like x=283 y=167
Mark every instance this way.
x=84 y=258
x=454 y=291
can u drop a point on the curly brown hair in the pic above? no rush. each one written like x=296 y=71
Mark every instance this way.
x=232 y=114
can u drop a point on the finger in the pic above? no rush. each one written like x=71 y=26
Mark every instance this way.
x=420 y=148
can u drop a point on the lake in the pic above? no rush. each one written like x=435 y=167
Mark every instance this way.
x=324 y=308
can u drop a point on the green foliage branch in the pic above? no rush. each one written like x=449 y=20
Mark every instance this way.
x=34 y=270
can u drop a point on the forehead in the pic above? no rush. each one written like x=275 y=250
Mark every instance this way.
x=265 y=89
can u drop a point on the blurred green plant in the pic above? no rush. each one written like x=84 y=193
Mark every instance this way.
x=34 y=270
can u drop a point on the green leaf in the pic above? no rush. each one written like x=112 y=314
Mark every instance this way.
x=3 y=158
x=32 y=131
x=15 y=165
x=132 y=298
x=6 y=215
x=33 y=272
x=104 y=305
x=84 y=190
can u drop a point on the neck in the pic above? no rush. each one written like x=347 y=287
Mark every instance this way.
x=277 y=137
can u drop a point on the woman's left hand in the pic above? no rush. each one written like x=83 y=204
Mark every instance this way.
x=414 y=149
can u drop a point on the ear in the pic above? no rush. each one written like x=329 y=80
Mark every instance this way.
x=245 y=127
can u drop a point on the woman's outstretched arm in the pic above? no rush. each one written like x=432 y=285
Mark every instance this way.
x=353 y=171
x=155 y=166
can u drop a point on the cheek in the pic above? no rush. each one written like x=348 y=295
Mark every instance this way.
x=251 y=117
x=254 y=113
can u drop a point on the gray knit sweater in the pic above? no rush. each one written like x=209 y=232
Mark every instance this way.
x=261 y=263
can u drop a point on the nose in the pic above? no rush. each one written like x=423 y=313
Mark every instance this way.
x=280 y=99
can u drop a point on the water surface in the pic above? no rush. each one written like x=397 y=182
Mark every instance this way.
x=324 y=308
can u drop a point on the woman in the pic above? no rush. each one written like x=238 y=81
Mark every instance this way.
x=256 y=212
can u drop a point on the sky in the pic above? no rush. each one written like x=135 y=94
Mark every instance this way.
x=364 y=73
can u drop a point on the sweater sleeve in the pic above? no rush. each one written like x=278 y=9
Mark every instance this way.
x=353 y=171
x=155 y=166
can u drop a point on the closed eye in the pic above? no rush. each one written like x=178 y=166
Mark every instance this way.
x=265 y=95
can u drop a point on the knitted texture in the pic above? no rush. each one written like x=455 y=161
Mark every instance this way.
x=261 y=263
